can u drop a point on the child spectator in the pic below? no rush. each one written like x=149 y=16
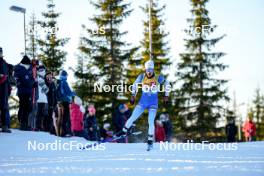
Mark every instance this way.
x=160 y=135
x=249 y=128
x=105 y=132
x=77 y=114
x=90 y=123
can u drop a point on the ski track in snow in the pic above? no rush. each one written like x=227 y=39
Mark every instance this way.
x=124 y=159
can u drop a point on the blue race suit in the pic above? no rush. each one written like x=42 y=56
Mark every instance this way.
x=148 y=100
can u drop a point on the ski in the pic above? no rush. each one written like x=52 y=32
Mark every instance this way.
x=111 y=139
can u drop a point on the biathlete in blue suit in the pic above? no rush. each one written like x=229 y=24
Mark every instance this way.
x=150 y=85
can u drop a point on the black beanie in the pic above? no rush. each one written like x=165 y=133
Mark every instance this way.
x=25 y=60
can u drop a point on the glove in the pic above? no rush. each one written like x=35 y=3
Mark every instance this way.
x=132 y=100
x=165 y=100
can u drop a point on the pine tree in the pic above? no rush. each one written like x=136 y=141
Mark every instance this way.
x=107 y=52
x=200 y=92
x=257 y=105
x=51 y=53
x=258 y=113
x=32 y=33
x=85 y=79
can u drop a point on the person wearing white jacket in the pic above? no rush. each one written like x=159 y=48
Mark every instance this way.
x=42 y=99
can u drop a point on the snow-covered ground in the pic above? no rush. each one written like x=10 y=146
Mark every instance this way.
x=122 y=159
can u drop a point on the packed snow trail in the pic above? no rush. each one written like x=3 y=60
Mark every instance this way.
x=124 y=159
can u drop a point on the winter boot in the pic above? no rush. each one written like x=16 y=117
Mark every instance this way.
x=5 y=129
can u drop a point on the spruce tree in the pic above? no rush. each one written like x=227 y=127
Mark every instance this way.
x=159 y=44
x=258 y=113
x=85 y=79
x=200 y=91
x=257 y=102
x=104 y=47
x=32 y=33
x=51 y=53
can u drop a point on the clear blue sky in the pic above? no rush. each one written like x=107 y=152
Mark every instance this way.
x=241 y=20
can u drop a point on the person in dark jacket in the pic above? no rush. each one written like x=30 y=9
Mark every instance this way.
x=90 y=124
x=12 y=82
x=231 y=131
x=105 y=132
x=4 y=92
x=64 y=95
x=33 y=114
x=52 y=102
x=25 y=83
x=120 y=117
x=164 y=118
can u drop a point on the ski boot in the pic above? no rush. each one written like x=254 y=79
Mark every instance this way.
x=150 y=143
x=122 y=133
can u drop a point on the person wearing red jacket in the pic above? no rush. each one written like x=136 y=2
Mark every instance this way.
x=77 y=114
x=160 y=135
x=249 y=129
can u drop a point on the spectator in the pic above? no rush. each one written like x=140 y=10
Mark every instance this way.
x=231 y=131
x=121 y=115
x=42 y=99
x=4 y=92
x=64 y=95
x=11 y=82
x=77 y=114
x=160 y=135
x=52 y=102
x=249 y=128
x=164 y=118
x=33 y=113
x=25 y=83
x=90 y=123
x=105 y=132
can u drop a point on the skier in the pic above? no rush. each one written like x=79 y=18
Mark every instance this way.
x=149 y=99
